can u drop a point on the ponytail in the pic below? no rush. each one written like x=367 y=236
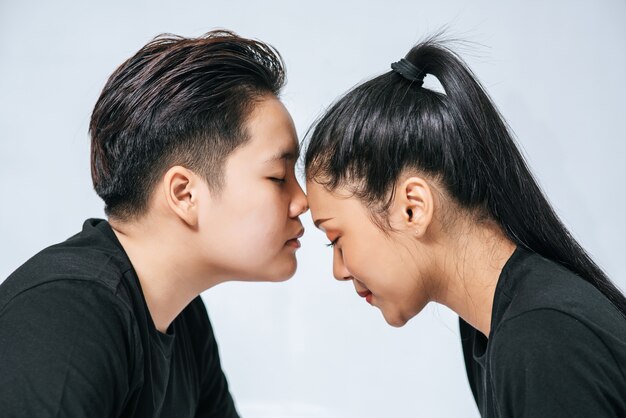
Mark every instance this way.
x=391 y=123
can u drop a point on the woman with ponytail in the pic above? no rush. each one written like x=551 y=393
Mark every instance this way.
x=425 y=197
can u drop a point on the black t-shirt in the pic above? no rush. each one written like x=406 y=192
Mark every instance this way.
x=77 y=340
x=557 y=346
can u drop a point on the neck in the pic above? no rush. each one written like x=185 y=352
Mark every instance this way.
x=163 y=260
x=470 y=276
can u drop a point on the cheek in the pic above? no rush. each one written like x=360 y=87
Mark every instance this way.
x=372 y=260
x=405 y=295
x=263 y=215
x=253 y=222
x=391 y=274
x=246 y=237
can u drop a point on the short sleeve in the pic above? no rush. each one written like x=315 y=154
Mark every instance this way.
x=65 y=351
x=546 y=363
x=215 y=398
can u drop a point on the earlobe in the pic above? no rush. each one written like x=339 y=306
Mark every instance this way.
x=179 y=185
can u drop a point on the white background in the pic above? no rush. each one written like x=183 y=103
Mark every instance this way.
x=310 y=347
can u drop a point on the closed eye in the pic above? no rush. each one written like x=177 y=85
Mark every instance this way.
x=332 y=244
x=278 y=180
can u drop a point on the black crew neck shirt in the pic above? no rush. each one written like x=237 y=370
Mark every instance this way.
x=77 y=340
x=557 y=346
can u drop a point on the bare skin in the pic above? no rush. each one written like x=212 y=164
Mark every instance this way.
x=434 y=253
x=192 y=238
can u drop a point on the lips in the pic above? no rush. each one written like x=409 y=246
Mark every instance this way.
x=293 y=242
x=366 y=294
x=298 y=235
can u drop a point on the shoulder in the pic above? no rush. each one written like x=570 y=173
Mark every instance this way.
x=78 y=260
x=77 y=316
x=542 y=332
x=546 y=362
x=554 y=312
x=68 y=302
x=68 y=343
x=549 y=289
x=67 y=316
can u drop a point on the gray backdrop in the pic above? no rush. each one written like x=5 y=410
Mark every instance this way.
x=310 y=347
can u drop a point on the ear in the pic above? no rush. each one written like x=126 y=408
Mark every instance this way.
x=415 y=205
x=180 y=187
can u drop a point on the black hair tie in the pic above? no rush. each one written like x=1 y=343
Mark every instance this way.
x=409 y=71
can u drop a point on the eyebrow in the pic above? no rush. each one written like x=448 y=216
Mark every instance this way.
x=287 y=155
x=320 y=221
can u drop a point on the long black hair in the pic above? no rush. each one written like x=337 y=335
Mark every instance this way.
x=390 y=124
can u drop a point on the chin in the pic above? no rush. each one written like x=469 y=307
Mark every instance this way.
x=396 y=320
x=288 y=274
x=282 y=273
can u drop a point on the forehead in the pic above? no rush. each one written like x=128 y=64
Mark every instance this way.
x=271 y=131
x=324 y=204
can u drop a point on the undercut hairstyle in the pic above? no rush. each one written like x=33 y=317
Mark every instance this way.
x=178 y=101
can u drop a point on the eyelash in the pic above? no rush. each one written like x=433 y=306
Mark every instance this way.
x=332 y=244
x=277 y=180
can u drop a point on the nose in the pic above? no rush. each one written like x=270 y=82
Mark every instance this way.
x=340 y=270
x=299 y=203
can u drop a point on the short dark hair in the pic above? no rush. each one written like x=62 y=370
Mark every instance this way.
x=176 y=101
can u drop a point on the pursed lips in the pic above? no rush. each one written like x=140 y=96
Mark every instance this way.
x=293 y=242
x=298 y=235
